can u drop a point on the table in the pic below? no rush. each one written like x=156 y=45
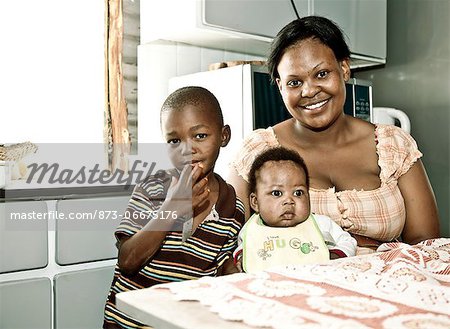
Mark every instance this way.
x=398 y=287
x=159 y=308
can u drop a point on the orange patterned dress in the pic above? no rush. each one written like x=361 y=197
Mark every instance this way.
x=378 y=214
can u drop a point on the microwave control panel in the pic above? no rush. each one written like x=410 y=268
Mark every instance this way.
x=358 y=102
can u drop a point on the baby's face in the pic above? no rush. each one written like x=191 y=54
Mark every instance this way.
x=194 y=137
x=281 y=197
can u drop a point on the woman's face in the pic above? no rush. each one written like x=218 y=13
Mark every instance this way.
x=312 y=83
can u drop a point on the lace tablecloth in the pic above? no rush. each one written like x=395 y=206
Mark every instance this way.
x=400 y=286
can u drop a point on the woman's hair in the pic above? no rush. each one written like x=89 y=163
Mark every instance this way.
x=195 y=96
x=278 y=153
x=317 y=27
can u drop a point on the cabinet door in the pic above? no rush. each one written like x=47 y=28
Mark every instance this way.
x=257 y=17
x=87 y=234
x=23 y=236
x=80 y=297
x=363 y=22
x=26 y=303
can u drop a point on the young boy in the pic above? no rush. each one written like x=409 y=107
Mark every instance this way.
x=283 y=230
x=152 y=248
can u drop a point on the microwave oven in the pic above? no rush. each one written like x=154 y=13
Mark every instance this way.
x=250 y=101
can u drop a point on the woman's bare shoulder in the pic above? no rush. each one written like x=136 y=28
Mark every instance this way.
x=283 y=128
x=361 y=129
x=283 y=124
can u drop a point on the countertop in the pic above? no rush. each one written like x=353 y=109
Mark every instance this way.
x=20 y=190
x=159 y=309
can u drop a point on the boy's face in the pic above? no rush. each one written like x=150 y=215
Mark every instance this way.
x=194 y=135
x=281 y=197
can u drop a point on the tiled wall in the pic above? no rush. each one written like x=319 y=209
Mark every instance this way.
x=56 y=273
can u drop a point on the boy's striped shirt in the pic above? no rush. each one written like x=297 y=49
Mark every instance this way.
x=203 y=254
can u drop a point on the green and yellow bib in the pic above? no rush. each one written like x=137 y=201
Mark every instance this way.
x=265 y=247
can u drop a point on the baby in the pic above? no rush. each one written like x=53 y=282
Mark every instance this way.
x=283 y=230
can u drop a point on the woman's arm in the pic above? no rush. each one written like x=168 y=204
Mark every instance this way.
x=241 y=188
x=422 y=218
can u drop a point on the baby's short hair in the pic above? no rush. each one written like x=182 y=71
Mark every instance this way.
x=275 y=154
x=195 y=96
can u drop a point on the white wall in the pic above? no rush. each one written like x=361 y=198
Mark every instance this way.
x=416 y=79
x=52 y=77
x=159 y=61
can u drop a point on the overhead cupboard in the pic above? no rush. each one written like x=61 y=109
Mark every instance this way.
x=248 y=26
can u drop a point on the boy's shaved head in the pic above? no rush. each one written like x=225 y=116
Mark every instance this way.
x=195 y=96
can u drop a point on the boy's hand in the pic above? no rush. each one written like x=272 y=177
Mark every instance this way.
x=238 y=261
x=200 y=190
x=188 y=187
x=229 y=267
x=239 y=265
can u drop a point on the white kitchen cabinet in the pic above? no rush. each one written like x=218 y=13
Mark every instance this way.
x=261 y=18
x=80 y=297
x=363 y=22
x=248 y=26
x=57 y=255
x=245 y=26
x=26 y=304
x=23 y=241
x=95 y=231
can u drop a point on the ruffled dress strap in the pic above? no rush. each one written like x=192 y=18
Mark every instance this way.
x=397 y=152
x=258 y=141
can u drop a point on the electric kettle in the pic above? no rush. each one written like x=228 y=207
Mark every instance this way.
x=388 y=115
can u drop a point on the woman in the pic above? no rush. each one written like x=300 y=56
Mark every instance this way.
x=367 y=178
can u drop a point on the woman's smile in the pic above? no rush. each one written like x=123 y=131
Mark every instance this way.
x=315 y=106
